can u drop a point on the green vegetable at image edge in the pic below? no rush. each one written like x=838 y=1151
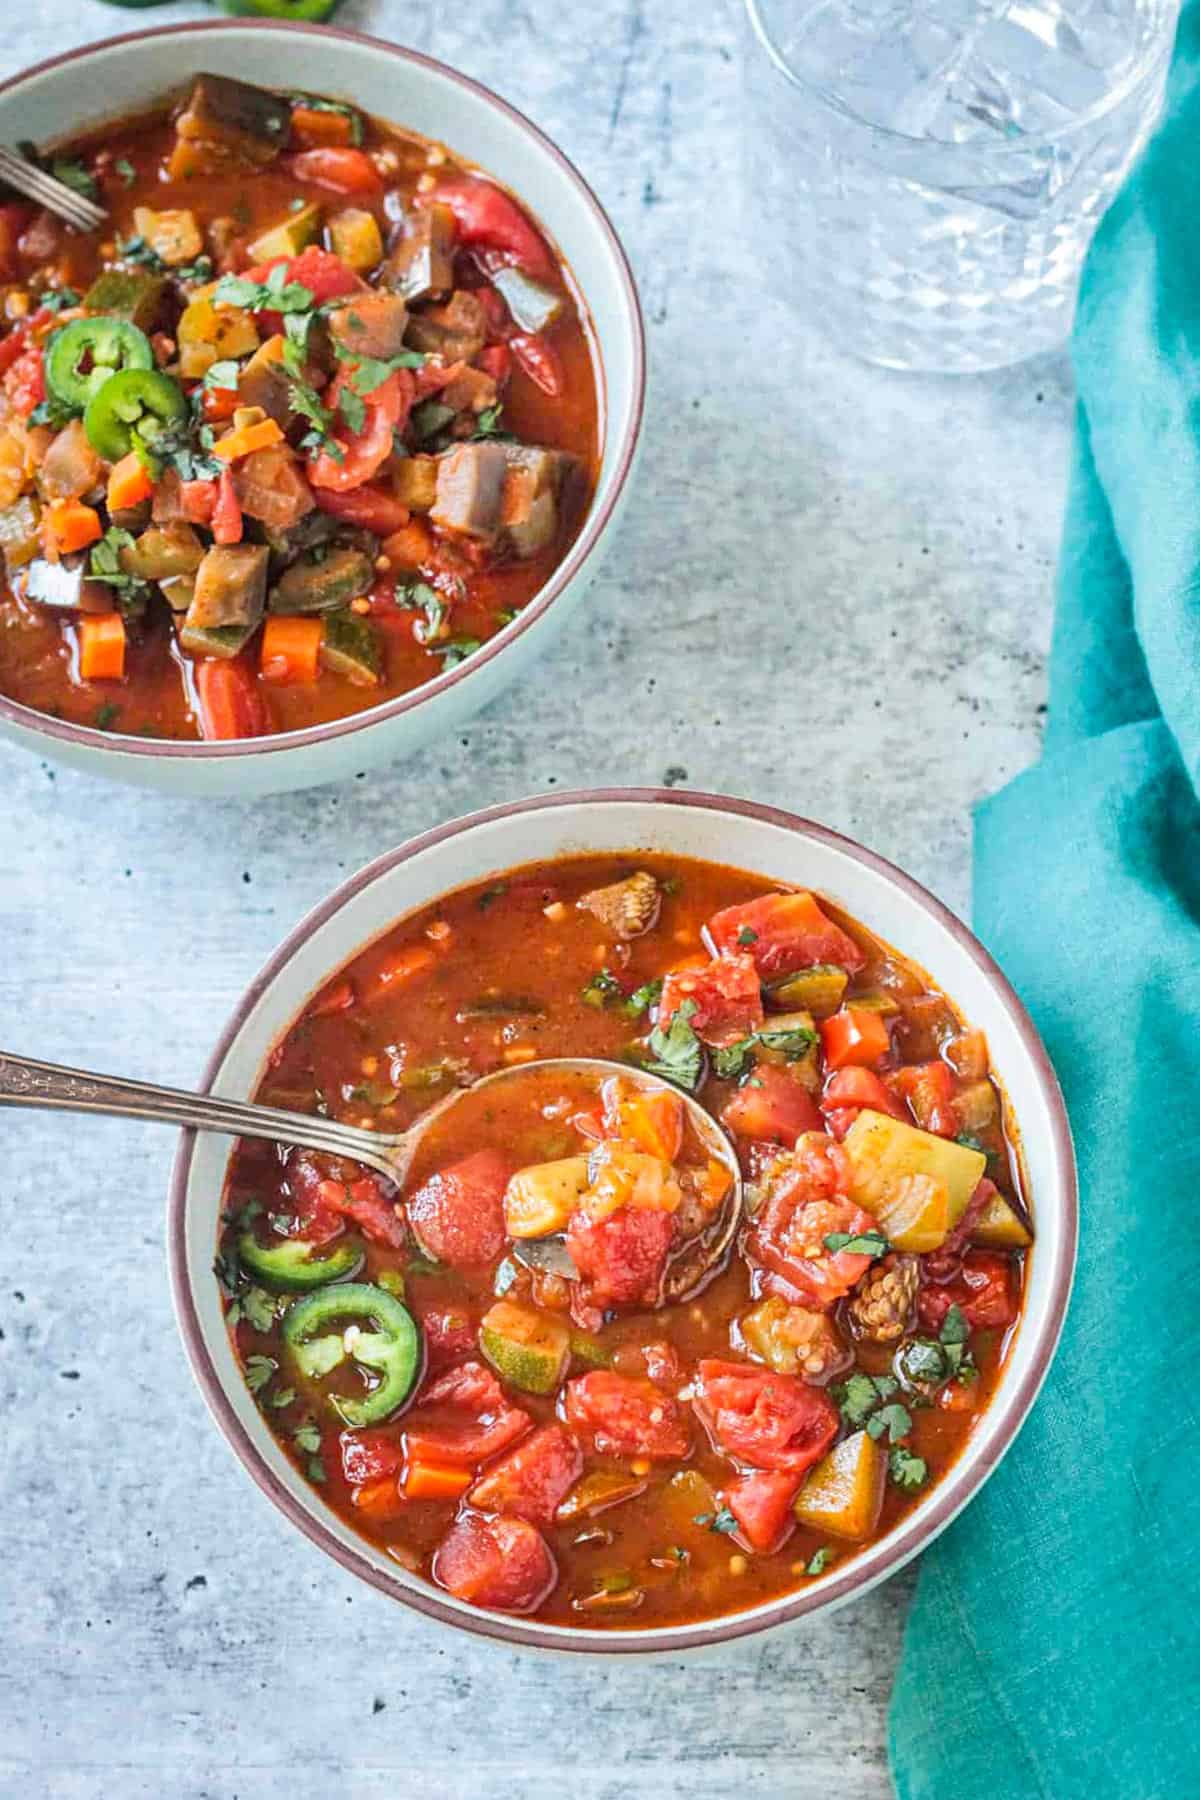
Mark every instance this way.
x=84 y=356
x=315 y=1333
x=264 y=9
x=133 y=408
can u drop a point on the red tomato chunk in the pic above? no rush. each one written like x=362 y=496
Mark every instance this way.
x=983 y=1290
x=531 y=1481
x=626 y=1416
x=459 y=1213
x=768 y=1420
x=725 y=998
x=762 y=1505
x=463 y=1418
x=784 y=932
x=504 y=1564
x=621 y=1258
x=773 y=1108
x=369 y=1456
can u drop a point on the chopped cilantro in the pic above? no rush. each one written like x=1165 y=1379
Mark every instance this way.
x=793 y=1046
x=53 y=300
x=677 y=1053
x=282 y=1397
x=307 y=1438
x=642 y=998
x=125 y=169
x=746 y=936
x=819 y=1561
x=137 y=250
x=600 y=988
x=970 y=1142
x=431 y=604
x=893 y=1421
x=455 y=650
x=222 y=374
x=106 y=715
x=922 y=1363
x=258 y=1371
x=275 y=294
x=907 y=1471
x=72 y=174
x=353 y=408
x=732 y=1061
x=258 y=1308
x=860 y=1394
x=723 y=1521
x=955 y=1329
x=50 y=412
x=314 y=1468
x=857 y=1243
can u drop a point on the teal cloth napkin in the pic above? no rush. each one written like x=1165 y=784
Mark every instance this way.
x=1053 y=1648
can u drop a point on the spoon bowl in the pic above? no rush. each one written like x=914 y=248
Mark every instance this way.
x=25 y=1082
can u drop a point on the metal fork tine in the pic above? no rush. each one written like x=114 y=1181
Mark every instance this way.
x=37 y=185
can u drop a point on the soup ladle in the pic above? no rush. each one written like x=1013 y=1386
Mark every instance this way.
x=25 y=1082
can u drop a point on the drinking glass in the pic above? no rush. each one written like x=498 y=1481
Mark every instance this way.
x=926 y=174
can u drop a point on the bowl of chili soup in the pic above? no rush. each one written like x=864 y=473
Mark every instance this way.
x=352 y=488
x=593 y=1470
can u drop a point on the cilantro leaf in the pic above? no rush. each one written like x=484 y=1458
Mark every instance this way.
x=857 y=1243
x=222 y=374
x=353 y=408
x=106 y=715
x=125 y=169
x=860 y=1394
x=455 y=650
x=793 y=1046
x=955 y=1329
x=72 y=174
x=922 y=1363
x=747 y=936
x=819 y=1561
x=723 y=1521
x=893 y=1421
x=908 y=1472
x=677 y=1053
x=258 y=1307
x=258 y=1371
x=600 y=988
x=275 y=294
x=137 y=250
x=642 y=998
x=53 y=300
x=307 y=1438
x=732 y=1061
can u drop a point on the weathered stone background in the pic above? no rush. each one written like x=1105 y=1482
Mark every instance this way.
x=832 y=592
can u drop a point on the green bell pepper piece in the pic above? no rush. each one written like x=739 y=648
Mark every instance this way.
x=314 y=1332
x=85 y=354
x=133 y=408
x=293 y=1266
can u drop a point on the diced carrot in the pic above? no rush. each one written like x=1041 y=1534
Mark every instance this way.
x=314 y=130
x=346 y=171
x=129 y=483
x=290 y=649
x=250 y=438
x=102 y=647
x=69 y=525
x=854 y=1035
x=402 y=966
x=434 y=1481
x=379 y=1499
x=410 y=546
x=335 y=999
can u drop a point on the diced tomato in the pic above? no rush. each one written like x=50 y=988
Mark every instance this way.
x=784 y=932
x=13 y=220
x=338 y=997
x=25 y=383
x=499 y=321
x=539 y=359
x=496 y=361
x=231 y=703
x=226 y=513
x=458 y=1214
x=854 y=1036
x=325 y=276
x=489 y=219
x=449 y=1335
x=504 y=1564
x=533 y=1478
x=929 y=1089
x=725 y=995
x=198 y=500
x=363 y=452
x=337 y=166
x=762 y=1505
x=793 y=1222
x=625 y=1416
x=369 y=1455
x=772 y=1107
x=650 y=1118
x=372 y=507
x=378 y=1501
x=848 y=1092
x=621 y=1258
x=768 y=1420
x=462 y=1418
x=984 y=1290
x=363 y=1202
x=218 y=404
x=14 y=345
x=314 y=1219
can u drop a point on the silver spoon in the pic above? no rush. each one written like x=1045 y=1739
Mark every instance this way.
x=36 y=184
x=24 y=1082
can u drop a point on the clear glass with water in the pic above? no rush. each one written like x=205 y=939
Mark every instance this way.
x=926 y=174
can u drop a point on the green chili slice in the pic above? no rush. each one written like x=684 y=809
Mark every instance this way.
x=293 y=1266
x=131 y=410
x=280 y=9
x=314 y=1331
x=84 y=356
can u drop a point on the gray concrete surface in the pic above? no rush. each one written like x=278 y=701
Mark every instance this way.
x=833 y=592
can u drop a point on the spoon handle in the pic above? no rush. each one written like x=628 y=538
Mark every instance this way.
x=24 y=1082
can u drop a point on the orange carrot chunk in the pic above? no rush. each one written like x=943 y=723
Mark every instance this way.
x=69 y=525
x=248 y=439
x=313 y=129
x=290 y=649
x=434 y=1481
x=102 y=647
x=129 y=483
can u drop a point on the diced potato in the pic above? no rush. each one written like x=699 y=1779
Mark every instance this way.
x=883 y=1151
x=625 y=1177
x=999 y=1228
x=19 y=539
x=527 y=1348
x=976 y=1106
x=915 y=1214
x=415 y=482
x=354 y=236
x=684 y=1501
x=289 y=237
x=844 y=1493
x=209 y=334
x=173 y=235
x=540 y=1199
x=818 y=990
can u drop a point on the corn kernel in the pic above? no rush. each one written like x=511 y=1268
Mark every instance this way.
x=520 y=1053
x=369 y=1065
x=556 y=912
x=641 y=1466
x=738 y=1565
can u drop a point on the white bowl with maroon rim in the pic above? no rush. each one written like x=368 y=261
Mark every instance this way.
x=108 y=80
x=712 y=828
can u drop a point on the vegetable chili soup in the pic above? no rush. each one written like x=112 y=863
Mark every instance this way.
x=313 y=417
x=614 y=1447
